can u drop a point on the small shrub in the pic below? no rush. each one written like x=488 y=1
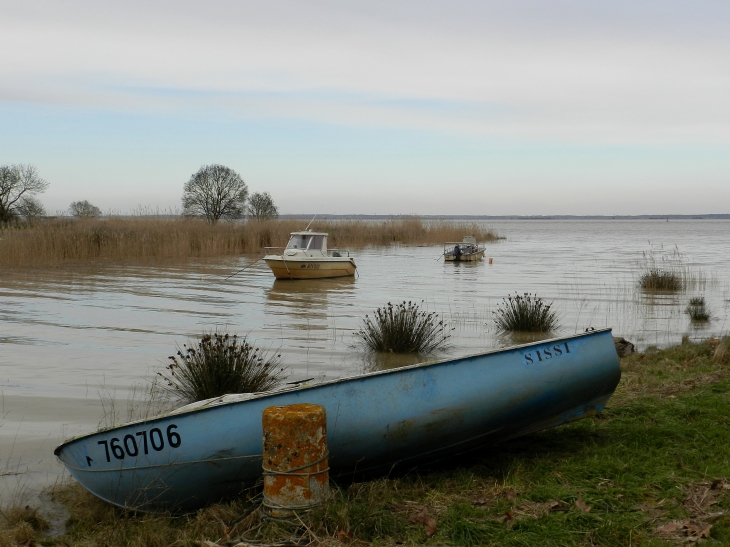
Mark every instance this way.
x=403 y=328
x=696 y=309
x=221 y=364
x=661 y=280
x=526 y=313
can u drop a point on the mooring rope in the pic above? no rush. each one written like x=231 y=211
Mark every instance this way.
x=305 y=466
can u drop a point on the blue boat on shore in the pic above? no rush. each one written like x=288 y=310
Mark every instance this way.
x=210 y=450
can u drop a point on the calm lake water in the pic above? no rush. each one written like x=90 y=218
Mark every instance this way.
x=75 y=342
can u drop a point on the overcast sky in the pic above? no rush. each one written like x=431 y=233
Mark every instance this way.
x=484 y=107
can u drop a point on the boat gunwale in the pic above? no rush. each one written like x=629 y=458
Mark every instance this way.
x=299 y=258
x=302 y=388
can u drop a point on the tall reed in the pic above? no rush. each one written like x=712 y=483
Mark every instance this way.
x=58 y=241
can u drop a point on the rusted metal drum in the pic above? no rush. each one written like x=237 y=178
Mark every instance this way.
x=296 y=468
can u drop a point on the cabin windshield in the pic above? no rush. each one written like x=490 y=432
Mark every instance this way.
x=306 y=241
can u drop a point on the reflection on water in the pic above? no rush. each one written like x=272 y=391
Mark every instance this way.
x=66 y=334
x=306 y=300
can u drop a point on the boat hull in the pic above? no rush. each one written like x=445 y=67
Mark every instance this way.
x=310 y=268
x=374 y=422
x=464 y=257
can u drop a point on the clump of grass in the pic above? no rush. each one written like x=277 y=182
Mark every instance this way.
x=525 y=313
x=661 y=280
x=403 y=328
x=220 y=364
x=669 y=271
x=696 y=309
x=21 y=525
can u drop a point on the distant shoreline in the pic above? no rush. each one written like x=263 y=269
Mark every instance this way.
x=513 y=217
x=324 y=216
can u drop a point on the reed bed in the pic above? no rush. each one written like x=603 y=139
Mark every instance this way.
x=54 y=242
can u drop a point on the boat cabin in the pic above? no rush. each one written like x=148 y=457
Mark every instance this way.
x=307 y=243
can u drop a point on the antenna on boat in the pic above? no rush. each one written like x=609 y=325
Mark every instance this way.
x=310 y=222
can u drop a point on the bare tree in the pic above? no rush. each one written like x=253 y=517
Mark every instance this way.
x=84 y=209
x=261 y=206
x=30 y=209
x=215 y=192
x=18 y=183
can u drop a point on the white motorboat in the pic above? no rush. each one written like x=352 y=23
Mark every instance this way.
x=306 y=256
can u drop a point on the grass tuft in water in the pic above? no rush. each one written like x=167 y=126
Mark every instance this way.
x=661 y=280
x=220 y=364
x=697 y=310
x=525 y=313
x=403 y=328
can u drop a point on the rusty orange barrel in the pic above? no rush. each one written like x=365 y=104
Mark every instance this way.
x=296 y=468
x=490 y=260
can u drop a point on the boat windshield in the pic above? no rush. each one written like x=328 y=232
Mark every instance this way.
x=306 y=241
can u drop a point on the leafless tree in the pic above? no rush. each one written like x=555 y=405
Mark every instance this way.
x=18 y=183
x=30 y=209
x=261 y=206
x=215 y=192
x=84 y=209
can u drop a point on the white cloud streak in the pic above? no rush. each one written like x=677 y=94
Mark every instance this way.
x=607 y=72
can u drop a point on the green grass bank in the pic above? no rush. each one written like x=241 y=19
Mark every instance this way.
x=653 y=469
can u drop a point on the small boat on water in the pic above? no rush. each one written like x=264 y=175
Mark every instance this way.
x=466 y=250
x=306 y=256
x=206 y=451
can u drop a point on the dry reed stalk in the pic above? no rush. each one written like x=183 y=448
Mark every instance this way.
x=53 y=242
x=722 y=351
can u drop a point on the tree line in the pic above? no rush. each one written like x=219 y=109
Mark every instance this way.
x=214 y=192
